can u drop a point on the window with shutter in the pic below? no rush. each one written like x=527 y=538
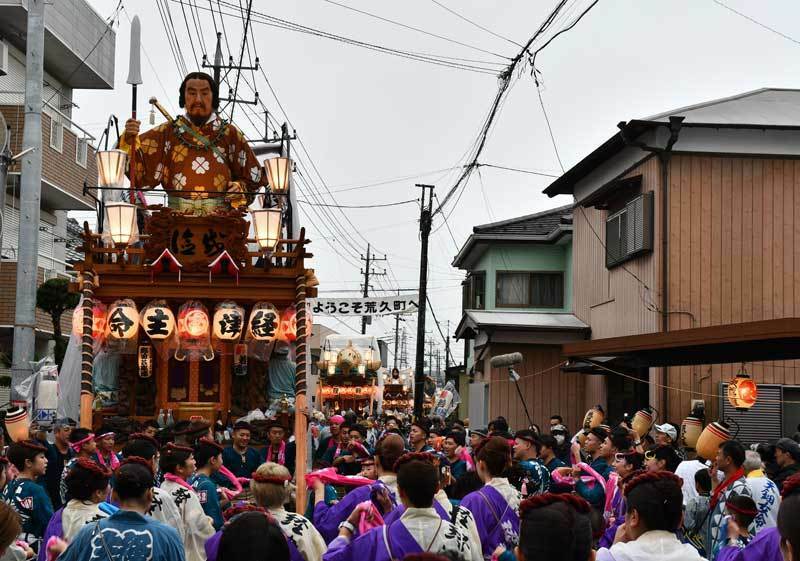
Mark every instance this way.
x=629 y=231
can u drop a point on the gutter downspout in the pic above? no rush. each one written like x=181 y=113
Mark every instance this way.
x=664 y=158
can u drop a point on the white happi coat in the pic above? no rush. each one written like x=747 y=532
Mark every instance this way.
x=164 y=509
x=197 y=526
x=301 y=532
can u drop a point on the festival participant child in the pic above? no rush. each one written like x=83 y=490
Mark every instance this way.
x=655 y=504
x=327 y=517
x=23 y=494
x=496 y=504
x=420 y=529
x=554 y=527
x=536 y=478
x=128 y=533
x=105 y=454
x=239 y=457
x=87 y=484
x=208 y=459
x=277 y=449
x=272 y=489
x=741 y=511
x=144 y=449
x=83 y=445
x=177 y=464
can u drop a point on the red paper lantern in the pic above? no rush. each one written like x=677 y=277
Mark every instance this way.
x=742 y=391
x=288 y=328
x=98 y=321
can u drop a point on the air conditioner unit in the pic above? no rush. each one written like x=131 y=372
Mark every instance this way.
x=3 y=59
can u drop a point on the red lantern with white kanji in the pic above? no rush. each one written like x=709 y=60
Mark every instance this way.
x=742 y=391
x=288 y=329
x=122 y=322
x=264 y=322
x=98 y=321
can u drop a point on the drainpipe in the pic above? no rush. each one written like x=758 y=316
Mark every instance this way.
x=664 y=156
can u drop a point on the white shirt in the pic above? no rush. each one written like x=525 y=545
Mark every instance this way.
x=76 y=515
x=197 y=525
x=391 y=483
x=686 y=471
x=303 y=534
x=650 y=546
x=431 y=534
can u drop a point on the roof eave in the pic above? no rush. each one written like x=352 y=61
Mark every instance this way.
x=463 y=255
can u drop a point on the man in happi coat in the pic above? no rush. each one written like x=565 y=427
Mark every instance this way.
x=197 y=155
x=420 y=529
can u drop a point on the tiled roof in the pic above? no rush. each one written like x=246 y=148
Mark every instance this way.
x=538 y=224
x=74 y=231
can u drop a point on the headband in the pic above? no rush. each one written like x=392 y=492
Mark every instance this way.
x=93 y=467
x=740 y=510
x=76 y=446
x=171 y=447
x=137 y=460
x=547 y=499
x=274 y=479
x=208 y=442
x=143 y=436
x=104 y=435
x=412 y=456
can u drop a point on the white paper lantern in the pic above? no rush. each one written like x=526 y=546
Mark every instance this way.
x=264 y=322
x=123 y=320
x=228 y=321
x=158 y=321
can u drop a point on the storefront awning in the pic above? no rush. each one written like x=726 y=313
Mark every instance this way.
x=777 y=339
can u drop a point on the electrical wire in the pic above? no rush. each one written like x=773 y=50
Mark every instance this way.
x=189 y=34
x=379 y=205
x=550 y=129
x=429 y=58
x=528 y=171
x=380 y=183
x=758 y=23
x=417 y=29
x=479 y=26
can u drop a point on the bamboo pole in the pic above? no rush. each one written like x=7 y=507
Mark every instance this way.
x=87 y=353
x=300 y=420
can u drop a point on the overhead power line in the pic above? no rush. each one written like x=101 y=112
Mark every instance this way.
x=758 y=23
x=417 y=29
x=380 y=205
x=528 y=171
x=479 y=26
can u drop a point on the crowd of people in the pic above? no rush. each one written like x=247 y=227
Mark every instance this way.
x=386 y=490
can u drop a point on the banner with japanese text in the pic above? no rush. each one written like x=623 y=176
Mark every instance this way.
x=373 y=306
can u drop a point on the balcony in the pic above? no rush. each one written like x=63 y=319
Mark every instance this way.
x=64 y=170
x=72 y=28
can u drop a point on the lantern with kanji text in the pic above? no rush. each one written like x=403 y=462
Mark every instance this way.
x=263 y=322
x=158 y=321
x=123 y=320
x=742 y=391
x=228 y=322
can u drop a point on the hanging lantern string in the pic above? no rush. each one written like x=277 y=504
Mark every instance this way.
x=683 y=390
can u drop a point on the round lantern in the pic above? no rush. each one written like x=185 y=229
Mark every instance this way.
x=157 y=319
x=742 y=391
x=712 y=437
x=98 y=320
x=264 y=322
x=228 y=321
x=643 y=421
x=194 y=337
x=288 y=329
x=122 y=320
x=17 y=424
x=691 y=428
x=594 y=417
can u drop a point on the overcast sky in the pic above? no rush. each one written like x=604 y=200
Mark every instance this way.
x=367 y=117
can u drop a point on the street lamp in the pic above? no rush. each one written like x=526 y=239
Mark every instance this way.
x=111 y=167
x=278 y=171
x=267 y=226
x=121 y=218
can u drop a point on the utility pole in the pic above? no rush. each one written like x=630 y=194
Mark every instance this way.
x=438 y=365
x=404 y=351
x=5 y=161
x=447 y=349
x=367 y=272
x=30 y=195
x=425 y=220
x=430 y=358
x=219 y=66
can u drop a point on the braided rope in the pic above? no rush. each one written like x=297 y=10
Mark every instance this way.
x=87 y=354
x=300 y=306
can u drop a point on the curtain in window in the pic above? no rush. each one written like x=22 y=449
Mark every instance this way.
x=548 y=290
x=513 y=289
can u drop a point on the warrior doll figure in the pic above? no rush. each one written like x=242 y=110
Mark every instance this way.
x=199 y=158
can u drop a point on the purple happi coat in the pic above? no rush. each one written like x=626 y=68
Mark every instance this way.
x=497 y=522
x=54 y=528
x=618 y=508
x=212 y=548
x=326 y=518
x=389 y=543
x=766 y=546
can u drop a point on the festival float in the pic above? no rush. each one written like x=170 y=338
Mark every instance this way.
x=398 y=392
x=349 y=367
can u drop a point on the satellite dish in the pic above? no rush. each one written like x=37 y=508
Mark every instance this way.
x=3 y=133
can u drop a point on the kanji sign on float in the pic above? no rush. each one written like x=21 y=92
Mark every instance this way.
x=364 y=306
